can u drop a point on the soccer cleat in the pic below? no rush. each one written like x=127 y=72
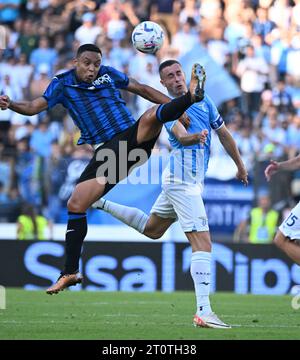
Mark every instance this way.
x=99 y=204
x=197 y=83
x=64 y=281
x=209 y=321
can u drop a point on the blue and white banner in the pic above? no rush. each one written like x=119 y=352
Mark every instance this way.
x=140 y=266
x=219 y=85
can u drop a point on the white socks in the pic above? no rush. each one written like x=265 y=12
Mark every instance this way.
x=200 y=272
x=133 y=217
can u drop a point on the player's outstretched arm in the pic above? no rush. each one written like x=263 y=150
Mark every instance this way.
x=24 y=107
x=187 y=139
x=147 y=92
x=232 y=150
x=275 y=166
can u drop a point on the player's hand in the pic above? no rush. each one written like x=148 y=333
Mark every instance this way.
x=242 y=175
x=271 y=169
x=4 y=102
x=203 y=136
x=185 y=120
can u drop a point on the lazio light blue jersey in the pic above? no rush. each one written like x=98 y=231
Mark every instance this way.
x=193 y=160
x=96 y=108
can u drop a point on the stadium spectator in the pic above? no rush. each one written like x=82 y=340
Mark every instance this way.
x=261 y=225
x=30 y=225
x=3 y=194
x=39 y=82
x=218 y=48
x=44 y=54
x=262 y=25
x=293 y=137
x=191 y=10
x=281 y=13
x=9 y=11
x=21 y=74
x=116 y=27
x=186 y=38
x=166 y=12
x=41 y=139
x=253 y=71
x=296 y=15
x=280 y=47
x=293 y=57
x=12 y=89
x=281 y=98
x=28 y=37
x=88 y=31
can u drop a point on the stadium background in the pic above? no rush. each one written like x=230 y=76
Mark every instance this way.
x=40 y=162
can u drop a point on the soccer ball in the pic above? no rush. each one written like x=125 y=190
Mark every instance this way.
x=147 y=37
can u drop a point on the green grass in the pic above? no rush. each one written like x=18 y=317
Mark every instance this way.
x=150 y=316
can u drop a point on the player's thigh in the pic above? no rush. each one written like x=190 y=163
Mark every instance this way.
x=149 y=127
x=162 y=215
x=157 y=226
x=85 y=194
x=188 y=206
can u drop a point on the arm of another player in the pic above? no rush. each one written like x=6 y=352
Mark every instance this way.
x=289 y=165
x=24 y=107
x=147 y=92
x=187 y=139
x=232 y=150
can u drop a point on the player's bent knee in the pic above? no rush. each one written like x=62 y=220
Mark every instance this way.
x=279 y=239
x=75 y=205
x=153 y=234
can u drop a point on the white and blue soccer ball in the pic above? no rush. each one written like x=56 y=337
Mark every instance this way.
x=147 y=37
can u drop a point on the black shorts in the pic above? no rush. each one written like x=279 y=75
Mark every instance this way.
x=122 y=165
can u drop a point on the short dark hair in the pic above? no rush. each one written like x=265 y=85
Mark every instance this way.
x=166 y=64
x=88 y=47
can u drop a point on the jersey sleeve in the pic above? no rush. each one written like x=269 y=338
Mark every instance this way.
x=169 y=125
x=54 y=92
x=215 y=119
x=121 y=80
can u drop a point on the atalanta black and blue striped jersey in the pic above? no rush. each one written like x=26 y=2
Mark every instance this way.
x=97 y=108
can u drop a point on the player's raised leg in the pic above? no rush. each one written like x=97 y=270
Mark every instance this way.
x=83 y=196
x=290 y=247
x=151 y=122
x=288 y=235
x=152 y=225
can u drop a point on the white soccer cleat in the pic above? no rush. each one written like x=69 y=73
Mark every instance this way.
x=209 y=321
x=99 y=204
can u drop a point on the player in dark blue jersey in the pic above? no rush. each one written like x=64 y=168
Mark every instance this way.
x=90 y=92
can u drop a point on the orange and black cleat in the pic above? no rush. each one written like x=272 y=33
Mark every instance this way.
x=65 y=281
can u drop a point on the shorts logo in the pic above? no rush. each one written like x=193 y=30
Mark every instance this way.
x=203 y=221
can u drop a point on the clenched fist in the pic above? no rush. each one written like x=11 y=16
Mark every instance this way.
x=4 y=102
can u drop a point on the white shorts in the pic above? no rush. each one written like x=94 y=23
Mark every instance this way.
x=290 y=227
x=183 y=203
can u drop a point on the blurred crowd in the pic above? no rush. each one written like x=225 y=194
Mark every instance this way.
x=257 y=42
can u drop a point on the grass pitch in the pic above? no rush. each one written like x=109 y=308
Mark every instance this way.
x=150 y=316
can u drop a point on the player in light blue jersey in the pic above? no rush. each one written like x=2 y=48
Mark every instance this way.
x=182 y=187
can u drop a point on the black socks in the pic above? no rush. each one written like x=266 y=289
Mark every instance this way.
x=174 y=109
